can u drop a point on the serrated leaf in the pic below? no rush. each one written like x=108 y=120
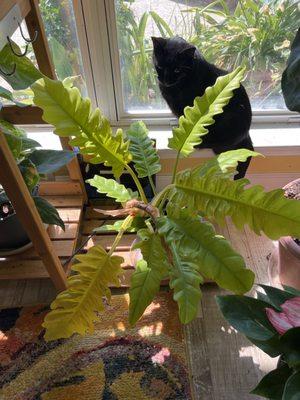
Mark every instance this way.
x=144 y=155
x=225 y=164
x=185 y=280
x=268 y=212
x=48 y=212
x=111 y=188
x=72 y=115
x=272 y=385
x=192 y=125
x=75 y=309
x=198 y=242
x=137 y=223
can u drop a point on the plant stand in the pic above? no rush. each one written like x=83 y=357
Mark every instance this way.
x=51 y=250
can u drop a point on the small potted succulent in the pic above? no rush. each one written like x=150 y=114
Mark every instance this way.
x=285 y=261
x=33 y=163
x=272 y=323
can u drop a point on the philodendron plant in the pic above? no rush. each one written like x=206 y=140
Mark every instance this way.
x=34 y=163
x=271 y=322
x=177 y=238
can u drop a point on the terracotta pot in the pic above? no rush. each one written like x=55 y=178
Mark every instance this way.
x=284 y=267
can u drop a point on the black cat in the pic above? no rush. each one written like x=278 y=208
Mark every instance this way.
x=184 y=74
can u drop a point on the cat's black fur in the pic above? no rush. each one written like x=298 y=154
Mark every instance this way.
x=184 y=74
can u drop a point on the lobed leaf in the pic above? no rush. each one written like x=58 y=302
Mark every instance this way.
x=192 y=125
x=111 y=188
x=198 y=242
x=75 y=309
x=71 y=115
x=268 y=212
x=144 y=155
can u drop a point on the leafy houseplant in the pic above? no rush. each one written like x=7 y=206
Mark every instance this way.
x=176 y=238
x=33 y=164
x=271 y=322
x=287 y=258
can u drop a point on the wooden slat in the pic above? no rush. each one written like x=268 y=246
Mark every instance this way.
x=70 y=232
x=62 y=248
x=88 y=226
x=17 y=191
x=69 y=214
x=60 y=188
x=92 y=213
x=65 y=201
x=6 y=6
x=106 y=241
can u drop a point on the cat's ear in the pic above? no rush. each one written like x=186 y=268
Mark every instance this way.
x=158 y=43
x=188 y=52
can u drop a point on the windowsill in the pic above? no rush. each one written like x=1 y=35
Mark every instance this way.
x=277 y=140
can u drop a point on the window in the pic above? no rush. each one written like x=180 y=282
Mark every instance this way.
x=256 y=33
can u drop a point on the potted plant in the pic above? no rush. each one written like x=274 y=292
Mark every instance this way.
x=285 y=261
x=176 y=238
x=33 y=163
x=272 y=323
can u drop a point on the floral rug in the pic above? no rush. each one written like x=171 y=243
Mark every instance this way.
x=116 y=362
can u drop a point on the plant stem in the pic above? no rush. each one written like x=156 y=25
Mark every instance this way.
x=158 y=198
x=138 y=185
x=152 y=185
x=126 y=224
x=175 y=167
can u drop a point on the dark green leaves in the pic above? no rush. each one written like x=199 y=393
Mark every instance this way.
x=26 y=73
x=247 y=315
x=144 y=156
x=290 y=81
x=48 y=212
x=272 y=385
x=49 y=161
x=290 y=347
x=292 y=387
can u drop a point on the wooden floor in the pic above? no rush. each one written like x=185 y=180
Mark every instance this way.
x=223 y=365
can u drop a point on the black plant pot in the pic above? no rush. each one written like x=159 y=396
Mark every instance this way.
x=12 y=234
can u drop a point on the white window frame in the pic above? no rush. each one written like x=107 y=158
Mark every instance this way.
x=97 y=33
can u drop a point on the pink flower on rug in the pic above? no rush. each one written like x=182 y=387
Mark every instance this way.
x=288 y=318
x=159 y=358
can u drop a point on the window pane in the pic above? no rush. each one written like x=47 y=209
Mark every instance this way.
x=257 y=33
x=60 y=26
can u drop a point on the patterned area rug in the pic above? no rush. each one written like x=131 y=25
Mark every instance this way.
x=115 y=363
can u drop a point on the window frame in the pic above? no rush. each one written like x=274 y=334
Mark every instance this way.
x=97 y=33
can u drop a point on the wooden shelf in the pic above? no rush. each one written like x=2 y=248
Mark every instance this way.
x=28 y=265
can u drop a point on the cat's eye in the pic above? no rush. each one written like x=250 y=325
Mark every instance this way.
x=176 y=71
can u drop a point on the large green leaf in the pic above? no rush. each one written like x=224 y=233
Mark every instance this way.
x=185 y=280
x=144 y=155
x=75 y=309
x=71 y=115
x=195 y=120
x=26 y=73
x=272 y=385
x=198 y=242
x=48 y=212
x=49 y=161
x=292 y=387
x=145 y=281
x=268 y=212
x=111 y=188
x=225 y=163
x=247 y=315
x=290 y=81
